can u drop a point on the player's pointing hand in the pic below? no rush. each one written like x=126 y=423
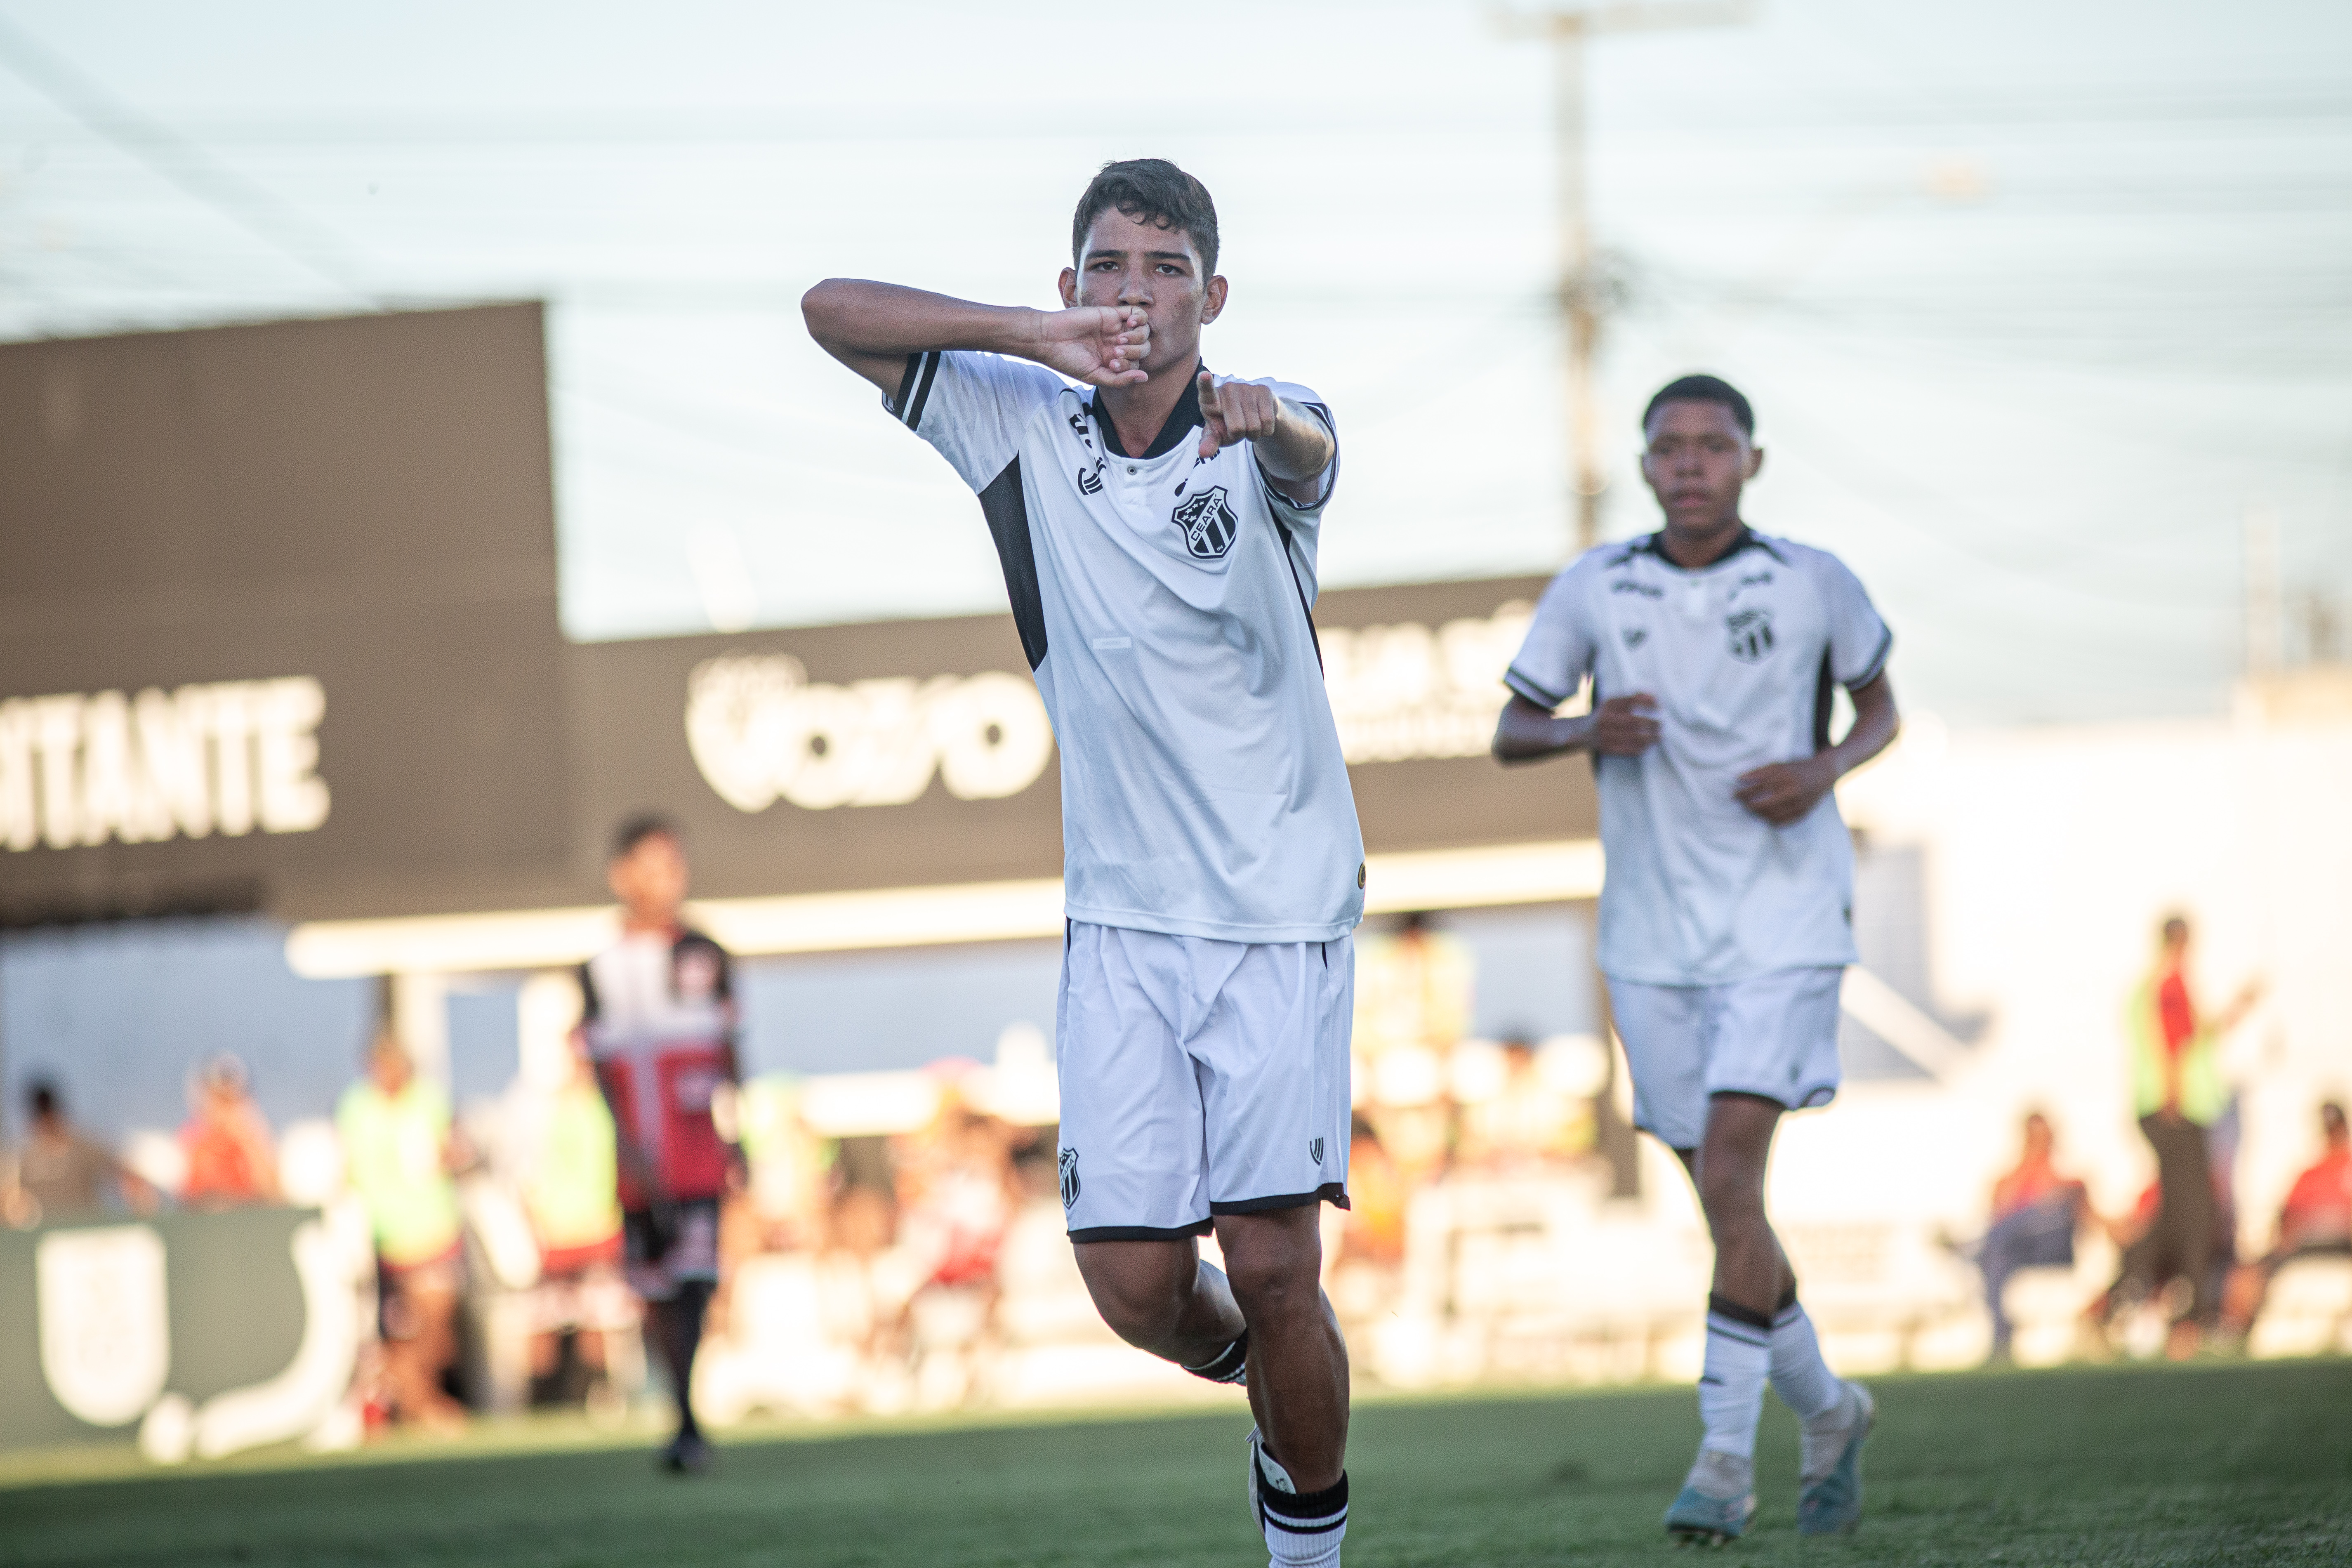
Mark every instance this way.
x=1102 y=345
x=1233 y=411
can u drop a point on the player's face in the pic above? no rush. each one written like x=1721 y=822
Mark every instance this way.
x=1697 y=460
x=1157 y=270
x=650 y=879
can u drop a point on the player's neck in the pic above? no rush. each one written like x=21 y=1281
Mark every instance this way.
x=1691 y=549
x=636 y=924
x=1137 y=414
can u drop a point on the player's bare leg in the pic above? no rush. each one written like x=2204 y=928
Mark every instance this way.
x=1160 y=1297
x=1298 y=1361
x=1755 y=1287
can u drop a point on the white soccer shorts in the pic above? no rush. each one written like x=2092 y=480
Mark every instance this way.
x=1200 y=1078
x=1774 y=1036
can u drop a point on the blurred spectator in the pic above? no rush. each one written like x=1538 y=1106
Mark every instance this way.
x=2316 y=1220
x=1414 y=989
x=572 y=1190
x=62 y=1174
x=2035 y=1212
x=570 y=1196
x=2178 y=1094
x=1376 y=1195
x=1529 y=1124
x=230 y=1158
x=398 y=1152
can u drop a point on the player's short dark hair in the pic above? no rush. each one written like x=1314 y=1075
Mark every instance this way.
x=1702 y=389
x=42 y=1096
x=1149 y=190
x=635 y=830
x=2175 y=928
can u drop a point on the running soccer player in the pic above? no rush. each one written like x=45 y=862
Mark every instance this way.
x=658 y=1019
x=1726 y=912
x=1158 y=536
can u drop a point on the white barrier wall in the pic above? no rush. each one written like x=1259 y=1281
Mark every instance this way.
x=2052 y=854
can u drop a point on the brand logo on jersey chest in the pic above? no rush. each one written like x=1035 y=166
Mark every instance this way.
x=1069 y=1179
x=1209 y=524
x=1751 y=635
x=1090 y=480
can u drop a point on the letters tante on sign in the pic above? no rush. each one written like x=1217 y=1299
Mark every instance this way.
x=760 y=732
x=225 y=757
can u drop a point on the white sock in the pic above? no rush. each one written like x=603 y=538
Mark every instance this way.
x=1302 y=1531
x=1731 y=1388
x=1799 y=1376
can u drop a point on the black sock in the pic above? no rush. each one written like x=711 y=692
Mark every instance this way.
x=678 y=1333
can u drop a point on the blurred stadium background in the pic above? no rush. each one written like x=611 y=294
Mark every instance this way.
x=411 y=461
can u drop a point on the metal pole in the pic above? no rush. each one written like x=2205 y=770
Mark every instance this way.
x=1579 y=320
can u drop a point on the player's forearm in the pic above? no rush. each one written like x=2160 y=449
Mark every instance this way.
x=1526 y=734
x=848 y=316
x=1299 y=447
x=1875 y=725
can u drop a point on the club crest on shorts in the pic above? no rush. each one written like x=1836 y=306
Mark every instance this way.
x=1751 y=635
x=1069 y=1179
x=1315 y=1150
x=1209 y=524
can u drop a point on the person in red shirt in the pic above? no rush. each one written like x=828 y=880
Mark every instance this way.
x=2316 y=1219
x=231 y=1161
x=658 y=1017
x=2035 y=1212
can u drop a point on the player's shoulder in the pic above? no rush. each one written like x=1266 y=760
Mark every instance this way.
x=1616 y=561
x=1809 y=560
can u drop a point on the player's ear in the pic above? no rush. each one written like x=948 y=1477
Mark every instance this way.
x=1213 y=298
x=1069 y=287
x=1755 y=460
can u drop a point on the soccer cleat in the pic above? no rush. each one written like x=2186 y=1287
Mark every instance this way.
x=1717 y=1499
x=1831 y=1503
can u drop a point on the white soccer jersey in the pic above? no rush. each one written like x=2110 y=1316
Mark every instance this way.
x=1164 y=602
x=1740 y=656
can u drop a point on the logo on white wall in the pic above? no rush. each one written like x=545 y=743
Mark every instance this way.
x=223 y=757
x=1407 y=692
x=105 y=1323
x=761 y=731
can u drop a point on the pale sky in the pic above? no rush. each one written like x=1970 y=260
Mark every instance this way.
x=2038 y=302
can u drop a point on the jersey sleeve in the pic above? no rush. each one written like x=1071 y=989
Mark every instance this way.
x=1302 y=526
x=1859 y=639
x=972 y=406
x=1558 y=653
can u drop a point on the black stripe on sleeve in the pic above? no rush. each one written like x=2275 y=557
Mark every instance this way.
x=1533 y=691
x=923 y=392
x=899 y=404
x=1877 y=665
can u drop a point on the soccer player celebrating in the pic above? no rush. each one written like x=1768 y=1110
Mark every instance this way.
x=658 y=1018
x=1157 y=537
x=1725 y=917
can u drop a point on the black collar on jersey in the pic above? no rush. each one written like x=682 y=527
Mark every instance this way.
x=1182 y=419
x=1655 y=544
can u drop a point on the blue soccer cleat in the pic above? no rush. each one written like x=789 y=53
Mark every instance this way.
x=1831 y=1503
x=1717 y=1502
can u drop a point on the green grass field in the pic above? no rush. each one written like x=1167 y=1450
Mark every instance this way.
x=2211 y=1464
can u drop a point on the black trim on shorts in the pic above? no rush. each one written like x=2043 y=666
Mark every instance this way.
x=1139 y=1232
x=1332 y=1193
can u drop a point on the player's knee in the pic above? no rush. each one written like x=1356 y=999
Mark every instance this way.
x=1276 y=1274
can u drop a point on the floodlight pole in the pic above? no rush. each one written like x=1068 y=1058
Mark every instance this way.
x=1578 y=293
